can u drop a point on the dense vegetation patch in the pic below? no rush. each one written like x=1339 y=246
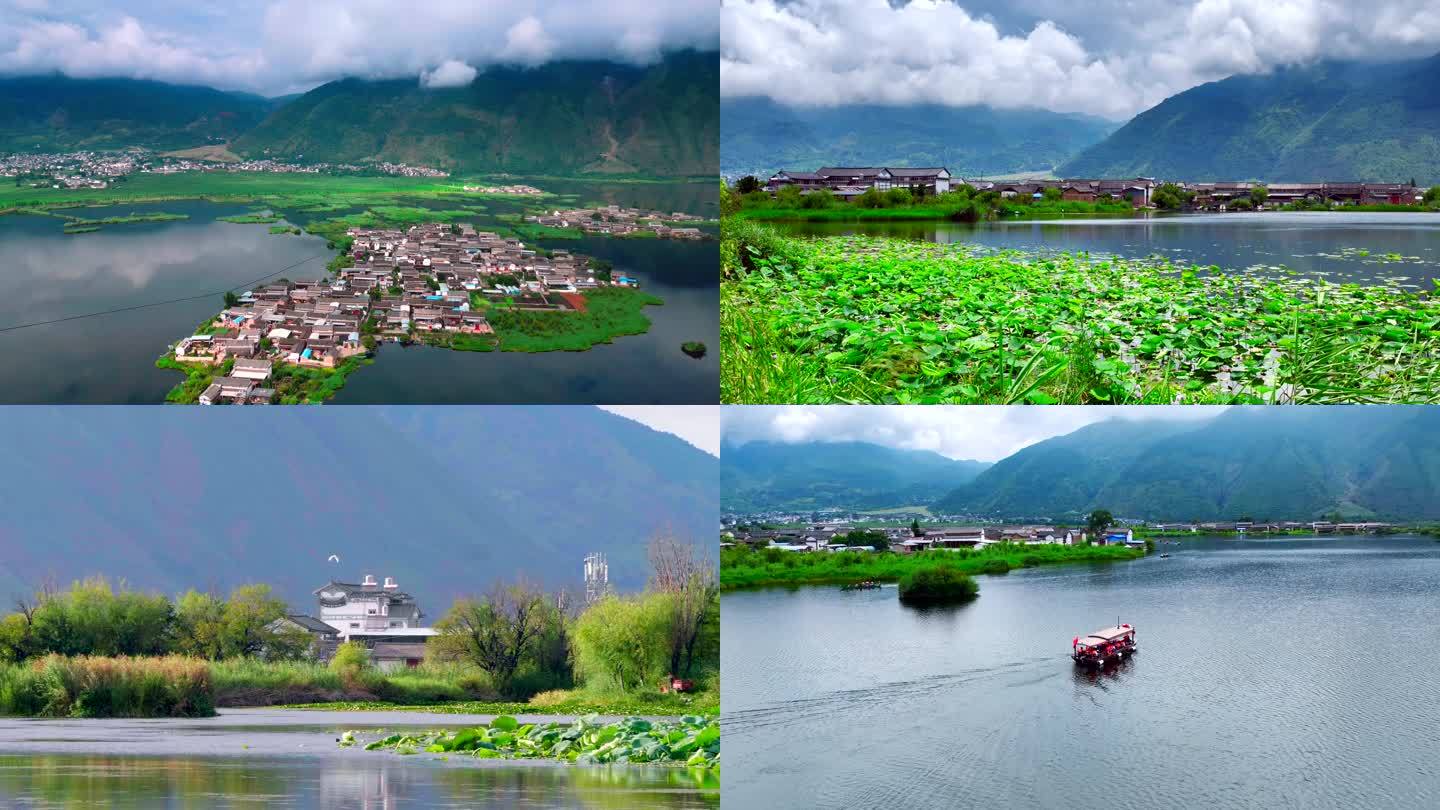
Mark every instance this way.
x=938 y=585
x=964 y=203
x=610 y=312
x=875 y=320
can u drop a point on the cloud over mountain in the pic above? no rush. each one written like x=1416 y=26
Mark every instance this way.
x=1110 y=57
x=289 y=45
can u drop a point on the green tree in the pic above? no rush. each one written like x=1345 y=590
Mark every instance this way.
x=729 y=200
x=92 y=618
x=872 y=198
x=231 y=299
x=199 y=625
x=245 y=626
x=915 y=528
x=819 y=198
x=621 y=643
x=899 y=197
x=789 y=196
x=747 y=184
x=1170 y=196
x=1053 y=194
x=679 y=571
x=1432 y=195
x=351 y=659
x=1258 y=195
x=1098 y=522
x=14 y=638
x=496 y=634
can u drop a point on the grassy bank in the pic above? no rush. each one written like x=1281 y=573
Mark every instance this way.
x=94 y=686
x=854 y=319
x=610 y=312
x=746 y=568
x=998 y=210
x=558 y=701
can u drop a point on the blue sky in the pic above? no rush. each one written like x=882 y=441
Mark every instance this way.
x=1111 y=58
x=282 y=46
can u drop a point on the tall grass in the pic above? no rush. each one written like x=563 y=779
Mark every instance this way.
x=251 y=682
x=94 y=686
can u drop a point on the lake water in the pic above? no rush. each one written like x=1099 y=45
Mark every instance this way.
x=46 y=275
x=272 y=758
x=1315 y=243
x=1286 y=673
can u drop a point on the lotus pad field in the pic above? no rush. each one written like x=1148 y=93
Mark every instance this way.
x=692 y=741
x=843 y=319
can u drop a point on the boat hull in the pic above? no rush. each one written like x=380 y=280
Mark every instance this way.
x=1100 y=661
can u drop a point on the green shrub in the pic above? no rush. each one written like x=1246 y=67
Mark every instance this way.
x=95 y=686
x=350 y=657
x=995 y=567
x=939 y=584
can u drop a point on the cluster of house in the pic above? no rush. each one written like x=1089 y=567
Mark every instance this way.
x=851 y=182
x=379 y=615
x=70 y=169
x=176 y=165
x=1251 y=527
x=518 y=188
x=901 y=539
x=422 y=279
x=615 y=220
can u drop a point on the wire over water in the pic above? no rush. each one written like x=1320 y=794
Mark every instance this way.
x=232 y=288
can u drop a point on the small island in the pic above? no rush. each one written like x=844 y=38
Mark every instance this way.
x=445 y=285
x=694 y=348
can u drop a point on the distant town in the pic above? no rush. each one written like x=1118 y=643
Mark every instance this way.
x=832 y=535
x=428 y=279
x=98 y=170
x=848 y=183
x=614 y=220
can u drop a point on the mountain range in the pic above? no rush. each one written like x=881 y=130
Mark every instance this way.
x=562 y=118
x=446 y=500
x=1293 y=463
x=759 y=136
x=766 y=476
x=56 y=113
x=1370 y=122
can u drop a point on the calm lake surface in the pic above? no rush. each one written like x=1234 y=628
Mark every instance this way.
x=1287 y=673
x=1313 y=243
x=268 y=758
x=47 y=275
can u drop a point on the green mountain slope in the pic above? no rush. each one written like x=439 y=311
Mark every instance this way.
x=1329 y=121
x=759 y=136
x=762 y=476
x=1266 y=464
x=52 y=113
x=560 y=118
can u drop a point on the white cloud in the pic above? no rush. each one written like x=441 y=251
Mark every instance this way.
x=288 y=45
x=451 y=73
x=1125 y=57
x=527 y=43
x=980 y=432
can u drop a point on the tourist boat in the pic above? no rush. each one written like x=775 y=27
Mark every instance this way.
x=1104 y=646
x=860 y=586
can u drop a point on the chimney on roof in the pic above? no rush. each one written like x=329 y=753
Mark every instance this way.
x=390 y=584
x=369 y=581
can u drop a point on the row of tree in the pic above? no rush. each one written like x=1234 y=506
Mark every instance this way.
x=619 y=643
x=524 y=638
x=94 y=618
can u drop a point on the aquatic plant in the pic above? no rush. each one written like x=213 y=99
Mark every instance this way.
x=853 y=319
x=692 y=741
x=694 y=348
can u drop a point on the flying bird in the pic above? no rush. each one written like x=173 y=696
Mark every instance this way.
x=334 y=558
